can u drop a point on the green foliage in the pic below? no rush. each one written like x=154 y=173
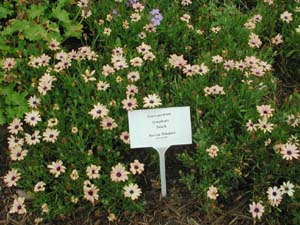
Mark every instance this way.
x=4 y=12
x=36 y=11
x=224 y=97
x=37 y=23
x=61 y=14
x=13 y=104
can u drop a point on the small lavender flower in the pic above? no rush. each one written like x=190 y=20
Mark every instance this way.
x=154 y=12
x=115 y=12
x=156 y=17
x=155 y=22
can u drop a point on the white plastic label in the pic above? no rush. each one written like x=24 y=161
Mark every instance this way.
x=160 y=129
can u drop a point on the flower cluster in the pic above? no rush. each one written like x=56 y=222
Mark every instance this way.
x=214 y=90
x=156 y=17
x=84 y=6
x=275 y=196
x=71 y=144
x=119 y=174
x=265 y=111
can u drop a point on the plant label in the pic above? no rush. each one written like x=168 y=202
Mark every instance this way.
x=160 y=129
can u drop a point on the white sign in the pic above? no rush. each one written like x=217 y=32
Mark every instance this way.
x=160 y=128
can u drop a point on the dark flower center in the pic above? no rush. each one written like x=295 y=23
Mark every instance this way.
x=274 y=193
x=58 y=168
x=256 y=210
x=119 y=174
x=131 y=191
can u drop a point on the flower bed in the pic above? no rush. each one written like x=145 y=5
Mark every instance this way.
x=66 y=107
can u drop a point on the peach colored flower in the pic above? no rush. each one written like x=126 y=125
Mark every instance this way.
x=136 y=167
x=118 y=173
x=132 y=191
x=56 y=168
x=18 y=206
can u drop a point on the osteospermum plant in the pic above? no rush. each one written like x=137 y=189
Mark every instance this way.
x=71 y=147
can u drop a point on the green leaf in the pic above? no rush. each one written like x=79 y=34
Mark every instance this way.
x=15 y=103
x=19 y=111
x=2 y=118
x=291 y=53
x=15 y=26
x=52 y=31
x=4 y=12
x=35 y=32
x=53 y=27
x=3 y=46
x=73 y=30
x=36 y=11
x=62 y=3
x=61 y=14
x=118 y=42
x=7 y=90
x=53 y=35
x=15 y=98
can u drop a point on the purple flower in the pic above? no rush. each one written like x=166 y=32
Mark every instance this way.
x=156 y=17
x=154 y=12
x=155 y=22
x=115 y=12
